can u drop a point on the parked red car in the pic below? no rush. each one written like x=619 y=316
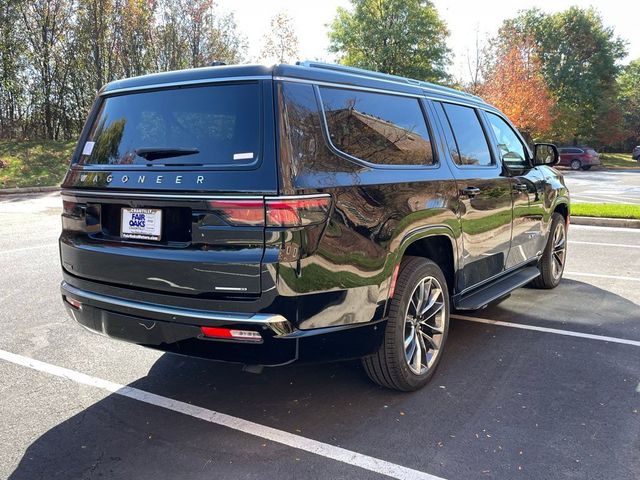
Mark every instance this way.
x=578 y=158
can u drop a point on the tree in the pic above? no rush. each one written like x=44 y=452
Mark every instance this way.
x=477 y=66
x=12 y=69
x=192 y=34
x=111 y=39
x=46 y=24
x=629 y=102
x=579 y=57
x=95 y=40
x=516 y=86
x=281 y=41
x=400 y=37
x=133 y=38
x=224 y=42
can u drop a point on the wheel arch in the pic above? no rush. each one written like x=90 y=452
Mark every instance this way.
x=562 y=207
x=437 y=243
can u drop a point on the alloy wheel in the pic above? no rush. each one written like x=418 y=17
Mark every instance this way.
x=559 y=250
x=424 y=325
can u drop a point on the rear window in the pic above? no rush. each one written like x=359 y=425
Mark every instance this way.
x=377 y=128
x=216 y=125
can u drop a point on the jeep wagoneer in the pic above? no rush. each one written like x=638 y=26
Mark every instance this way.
x=266 y=215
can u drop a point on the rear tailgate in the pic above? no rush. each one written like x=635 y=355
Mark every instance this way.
x=138 y=198
x=197 y=253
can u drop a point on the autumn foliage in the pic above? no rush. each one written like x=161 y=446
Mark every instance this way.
x=516 y=86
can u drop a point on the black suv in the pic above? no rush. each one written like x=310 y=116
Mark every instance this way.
x=264 y=215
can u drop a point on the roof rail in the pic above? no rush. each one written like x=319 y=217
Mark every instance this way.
x=387 y=77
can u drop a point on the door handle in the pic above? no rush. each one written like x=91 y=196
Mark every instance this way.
x=520 y=187
x=470 y=191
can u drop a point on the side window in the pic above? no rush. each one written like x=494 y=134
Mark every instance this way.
x=470 y=140
x=378 y=128
x=511 y=148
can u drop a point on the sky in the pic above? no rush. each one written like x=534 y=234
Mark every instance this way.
x=466 y=20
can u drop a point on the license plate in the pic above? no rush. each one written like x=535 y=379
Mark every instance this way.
x=144 y=223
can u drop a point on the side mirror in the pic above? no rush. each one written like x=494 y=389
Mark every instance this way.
x=545 y=154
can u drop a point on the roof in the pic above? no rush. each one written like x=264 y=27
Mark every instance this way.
x=312 y=71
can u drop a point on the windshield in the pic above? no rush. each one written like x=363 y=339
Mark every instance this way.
x=215 y=125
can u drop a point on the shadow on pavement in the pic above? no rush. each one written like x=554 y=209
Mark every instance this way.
x=573 y=305
x=502 y=400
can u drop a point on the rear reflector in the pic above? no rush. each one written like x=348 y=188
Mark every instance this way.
x=394 y=279
x=216 y=332
x=297 y=211
x=74 y=303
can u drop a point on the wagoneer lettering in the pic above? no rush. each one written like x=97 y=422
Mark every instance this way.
x=310 y=212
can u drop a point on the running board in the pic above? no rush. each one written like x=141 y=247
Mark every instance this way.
x=486 y=294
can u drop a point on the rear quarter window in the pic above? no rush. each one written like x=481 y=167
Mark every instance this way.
x=377 y=128
x=215 y=125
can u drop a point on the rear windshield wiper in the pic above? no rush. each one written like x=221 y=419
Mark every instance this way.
x=158 y=153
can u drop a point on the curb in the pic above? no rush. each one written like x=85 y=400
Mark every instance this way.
x=18 y=190
x=605 y=222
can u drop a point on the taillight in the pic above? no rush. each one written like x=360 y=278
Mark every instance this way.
x=295 y=211
x=240 y=212
x=73 y=216
x=73 y=209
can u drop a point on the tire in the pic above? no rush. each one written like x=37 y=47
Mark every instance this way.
x=395 y=365
x=553 y=258
x=575 y=164
x=586 y=167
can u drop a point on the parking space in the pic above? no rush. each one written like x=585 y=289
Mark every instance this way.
x=505 y=403
x=604 y=186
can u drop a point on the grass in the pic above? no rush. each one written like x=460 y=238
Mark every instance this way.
x=618 y=160
x=608 y=210
x=33 y=163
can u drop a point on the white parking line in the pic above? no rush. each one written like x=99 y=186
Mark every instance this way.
x=299 y=442
x=621 y=245
x=604 y=229
x=46 y=245
x=568 y=333
x=597 y=275
x=600 y=199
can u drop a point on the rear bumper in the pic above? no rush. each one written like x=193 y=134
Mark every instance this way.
x=177 y=330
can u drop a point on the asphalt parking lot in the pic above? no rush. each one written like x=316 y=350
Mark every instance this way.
x=552 y=391
x=604 y=186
